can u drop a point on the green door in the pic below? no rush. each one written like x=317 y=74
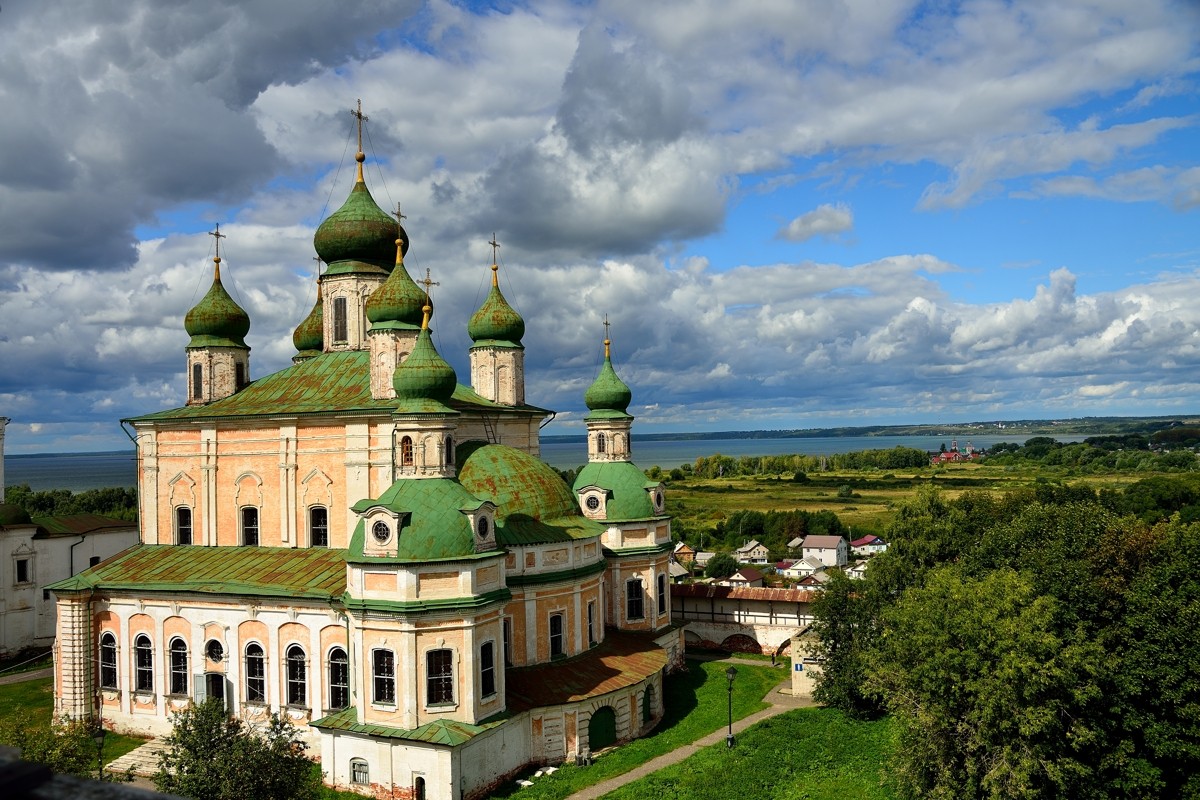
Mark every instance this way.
x=602 y=729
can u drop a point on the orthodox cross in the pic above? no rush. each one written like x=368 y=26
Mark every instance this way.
x=361 y=117
x=428 y=282
x=400 y=219
x=218 y=236
x=318 y=260
x=607 y=341
x=607 y=324
x=495 y=246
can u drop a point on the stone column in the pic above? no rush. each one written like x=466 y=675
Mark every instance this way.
x=74 y=674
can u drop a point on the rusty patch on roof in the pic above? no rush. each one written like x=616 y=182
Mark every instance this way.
x=710 y=592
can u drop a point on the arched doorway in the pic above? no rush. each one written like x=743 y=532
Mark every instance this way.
x=648 y=705
x=602 y=728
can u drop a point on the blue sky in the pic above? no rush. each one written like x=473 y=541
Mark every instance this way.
x=796 y=214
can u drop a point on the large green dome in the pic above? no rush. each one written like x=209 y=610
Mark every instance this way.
x=435 y=527
x=217 y=321
x=496 y=322
x=608 y=393
x=359 y=231
x=309 y=337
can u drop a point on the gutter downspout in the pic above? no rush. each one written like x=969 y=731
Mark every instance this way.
x=71 y=555
x=546 y=422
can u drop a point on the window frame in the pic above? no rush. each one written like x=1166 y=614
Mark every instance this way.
x=358 y=778
x=383 y=676
x=406 y=451
x=591 y=622
x=439 y=677
x=108 y=660
x=177 y=667
x=143 y=663
x=296 y=674
x=255 y=681
x=338 y=671
x=314 y=527
x=506 y=633
x=197 y=381
x=635 y=599
x=22 y=565
x=341 y=321
x=487 y=669
x=180 y=525
x=661 y=585
x=558 y=639
x=245 y=528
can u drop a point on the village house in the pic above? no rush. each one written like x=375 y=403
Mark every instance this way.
x=752 y=552
x=832 y=551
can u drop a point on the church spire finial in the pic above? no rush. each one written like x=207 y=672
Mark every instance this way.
x=217 y=258
x=360 y=156
x=607 y=341
x=428 y=282
x=495 y=267
x=399 y=240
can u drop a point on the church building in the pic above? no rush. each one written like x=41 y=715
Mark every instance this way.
x=375 y=550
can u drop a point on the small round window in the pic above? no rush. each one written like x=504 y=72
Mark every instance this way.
x=593 y=503
x=381 y=531
x=482 y=527
x=658 y=500
x=214 y=651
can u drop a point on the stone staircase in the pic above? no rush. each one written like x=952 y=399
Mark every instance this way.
x=143 y=760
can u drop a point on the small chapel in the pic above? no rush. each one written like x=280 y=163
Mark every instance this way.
x=375 y=550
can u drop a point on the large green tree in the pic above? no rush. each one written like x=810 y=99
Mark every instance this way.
x=721 y=565
x=845 y=628
x=213 y=756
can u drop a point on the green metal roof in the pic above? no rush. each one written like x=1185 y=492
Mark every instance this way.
x=311 y=574
x=445 y=732
x=534 y=504
x=329 y=383
x=76 y=524
x=608 y=392
x=358 y=235
x=217 y=321
x=496 y=321
x=628 y=487
x=434 y=526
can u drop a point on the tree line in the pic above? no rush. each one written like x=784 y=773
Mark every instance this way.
x=1037 y=644
x=118 y=503
x=1165 y=451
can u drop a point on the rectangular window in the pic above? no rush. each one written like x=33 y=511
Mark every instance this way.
x=108 y=661
x=508 y=662
x=339 y=319
x=93 y=561
x=556 y=635
x=383 y=664
x=439 y=677
x=662 y=594
x=339 y=679
x=250 y=526
x=487 y=669
x=634 y=601
x=318 y=526
x=591 y=622
x=183 y=525
x=22 y=570
x=179 y=667
x=197 y=381
x=143 y=664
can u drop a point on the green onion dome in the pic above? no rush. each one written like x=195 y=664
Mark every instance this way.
x=217 y=321
x=424 y=375
x=398 y=299
x=309 y=337
x=358 y=231
x=13 y=514
x=496 y=322
x=608 y=392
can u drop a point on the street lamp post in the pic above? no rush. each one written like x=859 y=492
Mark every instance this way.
x=730 y=674
x=98 y=738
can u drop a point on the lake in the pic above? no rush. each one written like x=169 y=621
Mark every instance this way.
x=81 y=471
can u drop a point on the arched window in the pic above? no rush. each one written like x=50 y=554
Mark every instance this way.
x=359 y=772
x=250 y=526
x=256 y=674
x=108 y=661
x=143 y=664
x=339 y=319
x=183 y=525
x=179 y=667
x=439 y=677
x=339 y=679
x=406 y=451
x=197 y=381
x=297 y=677
x=318 y=526
x=601 y=443
x=419 y=789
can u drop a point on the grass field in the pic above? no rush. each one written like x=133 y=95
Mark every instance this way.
x=811 y=753
x=695 y=706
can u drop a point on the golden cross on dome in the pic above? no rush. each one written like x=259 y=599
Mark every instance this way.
x=607 y=341
x=428 y=282
x=217 y=258
x=495 y=246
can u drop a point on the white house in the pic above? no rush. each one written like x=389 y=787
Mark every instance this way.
x=745 y=577
x=832 y=551
x=752 y=552
x=868 y=546
x=802 y=568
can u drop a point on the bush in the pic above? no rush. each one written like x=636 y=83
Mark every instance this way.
x=845 y=491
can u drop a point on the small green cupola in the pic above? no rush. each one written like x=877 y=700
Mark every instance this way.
x=424 y=382
x=496 y=323
x=608 y=395
x=399 y=301
x=309 y=336
x=218 y=358
x=217 y=320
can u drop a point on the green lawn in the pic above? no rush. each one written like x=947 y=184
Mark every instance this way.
x=36 y=698
x=809 y=753
x=696 y=705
